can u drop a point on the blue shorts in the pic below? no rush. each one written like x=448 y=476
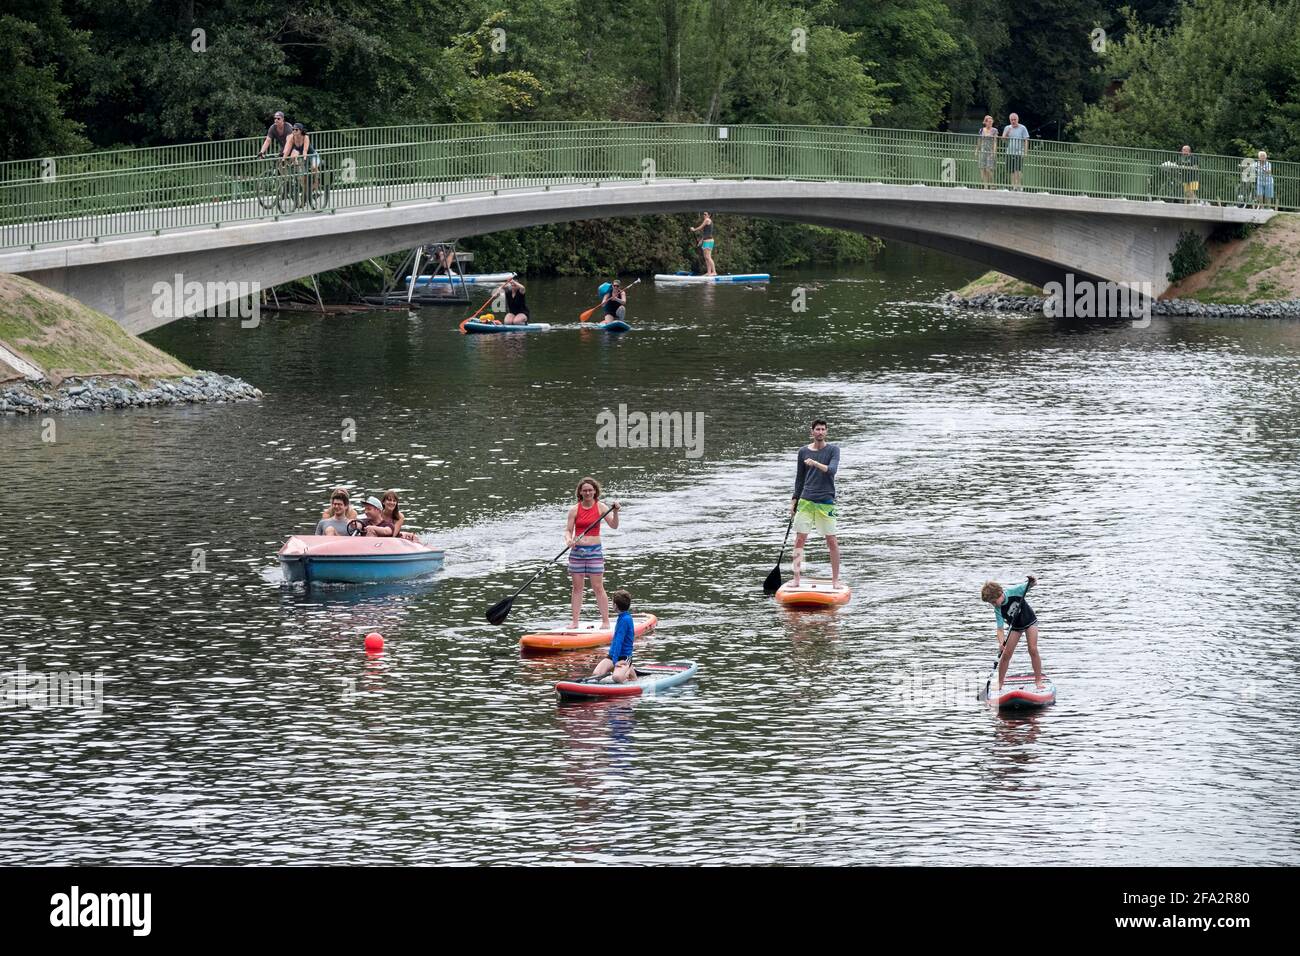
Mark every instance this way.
x=587 y=559
x=1264 y=189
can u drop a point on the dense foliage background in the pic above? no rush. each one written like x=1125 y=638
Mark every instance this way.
x=1222 y=75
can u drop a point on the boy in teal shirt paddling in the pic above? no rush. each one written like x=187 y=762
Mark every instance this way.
x=1012 y=611
x=619 y=658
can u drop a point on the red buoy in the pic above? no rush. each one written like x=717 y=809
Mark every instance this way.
x=374 y=642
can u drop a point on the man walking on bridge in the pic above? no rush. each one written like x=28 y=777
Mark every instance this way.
x=1017 y=138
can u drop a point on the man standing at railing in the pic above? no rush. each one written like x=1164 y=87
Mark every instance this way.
x=1017 y=138
x=1264 y=182
x=277 y=133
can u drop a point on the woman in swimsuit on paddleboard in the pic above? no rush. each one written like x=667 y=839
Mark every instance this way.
x=586 y=557
x=705 y=229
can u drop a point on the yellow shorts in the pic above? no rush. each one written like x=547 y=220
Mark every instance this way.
x=810 y=514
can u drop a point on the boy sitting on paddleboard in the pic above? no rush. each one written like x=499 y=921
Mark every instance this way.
x=619 y=659
x=1013 y=611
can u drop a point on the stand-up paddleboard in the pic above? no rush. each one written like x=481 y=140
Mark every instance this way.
x=1019 y=692
x=585 y=635
x=482 y=278
x=713 y=280
x=650 y=680
x=614 y=325
x=473 y=325
x=813 y=592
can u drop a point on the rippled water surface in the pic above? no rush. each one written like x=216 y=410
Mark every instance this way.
x=1147 y=477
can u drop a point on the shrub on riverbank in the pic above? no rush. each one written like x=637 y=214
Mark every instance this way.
x=663 y=244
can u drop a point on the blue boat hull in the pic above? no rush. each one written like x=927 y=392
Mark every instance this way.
x=359 y=570
x=339 y=559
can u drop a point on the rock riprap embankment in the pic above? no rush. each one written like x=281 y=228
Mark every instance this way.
x=98 y=393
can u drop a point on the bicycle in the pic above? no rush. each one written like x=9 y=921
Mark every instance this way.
x=268 y=184
x=289 y=184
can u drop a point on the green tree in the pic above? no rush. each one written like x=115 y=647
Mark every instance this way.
x=1225 y=78
x=41 y=53
x=915 y=51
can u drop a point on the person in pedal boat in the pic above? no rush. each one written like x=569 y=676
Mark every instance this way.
x=374 y=523
x=586 y=557
x=705 y=229
x=516 y=306
x=1013 y=612
x=615 y=302
x=335 y=518
x=813 y=502
x=395 y=516
x=619 y=658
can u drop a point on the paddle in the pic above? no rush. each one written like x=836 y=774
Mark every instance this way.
x=583 y=317
x=773 y=582
x=988 y=684
x=498 y=612
x=480 y=308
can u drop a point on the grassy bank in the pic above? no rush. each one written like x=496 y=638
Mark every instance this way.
x=1261 y=266
x=64 y=339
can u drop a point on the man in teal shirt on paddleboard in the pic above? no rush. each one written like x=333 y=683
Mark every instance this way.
x=813 y=502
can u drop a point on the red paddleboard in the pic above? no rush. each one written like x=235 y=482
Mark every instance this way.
x=1020 y=691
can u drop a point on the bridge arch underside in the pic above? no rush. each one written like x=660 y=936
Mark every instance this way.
x=1035 y=238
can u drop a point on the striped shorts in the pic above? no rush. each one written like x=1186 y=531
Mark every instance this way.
x=587 y=559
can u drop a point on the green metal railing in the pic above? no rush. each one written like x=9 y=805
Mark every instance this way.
x=94 y=196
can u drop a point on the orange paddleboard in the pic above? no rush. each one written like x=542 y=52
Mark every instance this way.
x=813 y=592
x=586 y=635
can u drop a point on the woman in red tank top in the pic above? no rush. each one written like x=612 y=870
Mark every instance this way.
x=586 y=557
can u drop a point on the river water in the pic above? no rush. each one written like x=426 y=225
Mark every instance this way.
x=1146 y=476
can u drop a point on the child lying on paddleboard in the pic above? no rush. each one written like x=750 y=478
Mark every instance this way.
x=619 y=659
x=1012 y=611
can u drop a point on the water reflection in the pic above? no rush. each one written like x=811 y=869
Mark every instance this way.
x=1100 y=457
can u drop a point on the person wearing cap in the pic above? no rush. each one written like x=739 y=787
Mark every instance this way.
x=374 y=523
x=277 y=133
x=615 y=302
x=335 y=518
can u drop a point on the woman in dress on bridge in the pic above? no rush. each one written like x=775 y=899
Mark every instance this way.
x=987 y=151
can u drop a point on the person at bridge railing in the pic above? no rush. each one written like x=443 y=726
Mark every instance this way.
x=1246 y=189
x=298 y=147
x=1264 y=182
x=986 y=151
x=277 y=133
x=1191 y=169
x=1017 y=137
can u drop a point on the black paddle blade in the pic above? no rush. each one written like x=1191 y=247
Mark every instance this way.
x=498 y=612
x=773 y=582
